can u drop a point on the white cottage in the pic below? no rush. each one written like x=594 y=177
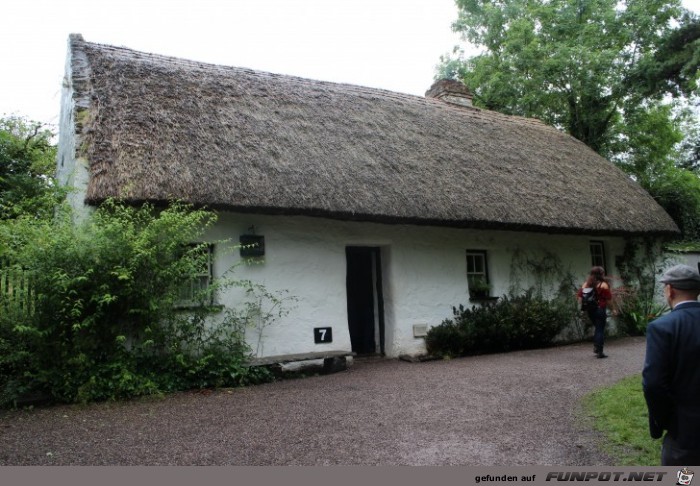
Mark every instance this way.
x=377 y=209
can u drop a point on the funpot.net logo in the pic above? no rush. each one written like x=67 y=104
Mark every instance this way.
x=606 y=476
x=684 y=476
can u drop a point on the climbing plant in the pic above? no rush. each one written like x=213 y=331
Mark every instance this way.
x=638 y=301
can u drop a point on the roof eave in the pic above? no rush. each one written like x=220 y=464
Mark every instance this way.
x=415 y=221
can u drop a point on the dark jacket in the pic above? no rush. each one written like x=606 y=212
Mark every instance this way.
x=671 y=375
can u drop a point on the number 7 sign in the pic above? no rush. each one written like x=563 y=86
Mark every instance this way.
x=323 y=335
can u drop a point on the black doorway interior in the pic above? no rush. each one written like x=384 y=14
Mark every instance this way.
x=365 y=303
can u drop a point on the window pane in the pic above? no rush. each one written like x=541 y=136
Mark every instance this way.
x=191 y=290
x=479 y=264
x=476 y=266
x=597 y=254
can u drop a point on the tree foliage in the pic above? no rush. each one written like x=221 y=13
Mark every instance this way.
x=674 y=66
x=27 y=167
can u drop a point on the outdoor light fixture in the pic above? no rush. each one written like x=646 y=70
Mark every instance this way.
x=252 y=245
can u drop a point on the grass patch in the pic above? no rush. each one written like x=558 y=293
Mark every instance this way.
x=619 y=412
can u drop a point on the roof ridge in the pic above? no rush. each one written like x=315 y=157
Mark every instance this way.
x=353 y=88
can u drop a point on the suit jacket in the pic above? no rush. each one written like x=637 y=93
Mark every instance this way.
x=671 y=375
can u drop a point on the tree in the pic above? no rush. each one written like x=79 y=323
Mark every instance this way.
x=27 y=167
x=647 y=142
x=674 y=66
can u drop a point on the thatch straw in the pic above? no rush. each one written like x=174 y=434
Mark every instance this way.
x=159 y=128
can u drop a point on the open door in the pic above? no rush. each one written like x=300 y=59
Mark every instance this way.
x=365 y=303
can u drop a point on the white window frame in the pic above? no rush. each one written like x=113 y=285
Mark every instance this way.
x=201 y=280
x=480 y=268
x=597 y=249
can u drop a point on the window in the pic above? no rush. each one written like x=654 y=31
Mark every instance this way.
x=192 y=291
x=477 y=273
x=597 y=254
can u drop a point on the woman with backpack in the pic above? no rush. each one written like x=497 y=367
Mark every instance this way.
x=594 y=296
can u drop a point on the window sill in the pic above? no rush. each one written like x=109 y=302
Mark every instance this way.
x=483 y=300
x=212 y=308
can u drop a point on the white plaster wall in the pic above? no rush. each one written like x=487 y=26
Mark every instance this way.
x=71 y=171
x=690 y=258
x=424 y=273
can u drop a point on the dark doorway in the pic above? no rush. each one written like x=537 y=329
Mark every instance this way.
x=365 y=303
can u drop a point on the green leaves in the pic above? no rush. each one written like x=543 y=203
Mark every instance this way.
x=105 y=322
x=521 y=322
x=27 y=167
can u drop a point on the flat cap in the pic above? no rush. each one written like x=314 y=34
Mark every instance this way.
x=682 y=277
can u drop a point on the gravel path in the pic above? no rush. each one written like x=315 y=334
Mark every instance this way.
x=510 y=409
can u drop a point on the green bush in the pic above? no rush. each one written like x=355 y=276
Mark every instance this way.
x=446 y=339
x=15 y=357
x=522 y=322
x=636 y=312
x=104 y=321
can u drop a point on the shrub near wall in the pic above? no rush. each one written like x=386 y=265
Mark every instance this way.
x=105 y=321
x=523 y=322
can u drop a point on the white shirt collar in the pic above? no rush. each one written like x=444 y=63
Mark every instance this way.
x=685 y=302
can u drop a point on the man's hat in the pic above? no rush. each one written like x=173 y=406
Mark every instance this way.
x=682 y=277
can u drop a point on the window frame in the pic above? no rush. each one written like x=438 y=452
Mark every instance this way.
x=595 y=255
x=207 y=276
x=481 y=274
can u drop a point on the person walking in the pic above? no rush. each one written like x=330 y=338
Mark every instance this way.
x=671 y=374
x=597 y=291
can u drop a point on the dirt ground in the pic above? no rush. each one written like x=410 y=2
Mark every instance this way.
x=511 y=409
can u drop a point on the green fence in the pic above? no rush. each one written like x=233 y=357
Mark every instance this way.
x=16 y=292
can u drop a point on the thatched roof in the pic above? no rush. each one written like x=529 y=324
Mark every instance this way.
x=159 y=128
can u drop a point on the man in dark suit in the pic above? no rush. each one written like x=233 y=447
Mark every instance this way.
x=671 y=375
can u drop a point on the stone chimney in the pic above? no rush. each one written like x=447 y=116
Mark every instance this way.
x=450 y=91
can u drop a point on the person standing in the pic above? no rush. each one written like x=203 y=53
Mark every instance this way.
x=596 y=283
x=671 y=374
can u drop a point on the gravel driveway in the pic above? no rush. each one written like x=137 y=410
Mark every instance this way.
x=510 y=409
